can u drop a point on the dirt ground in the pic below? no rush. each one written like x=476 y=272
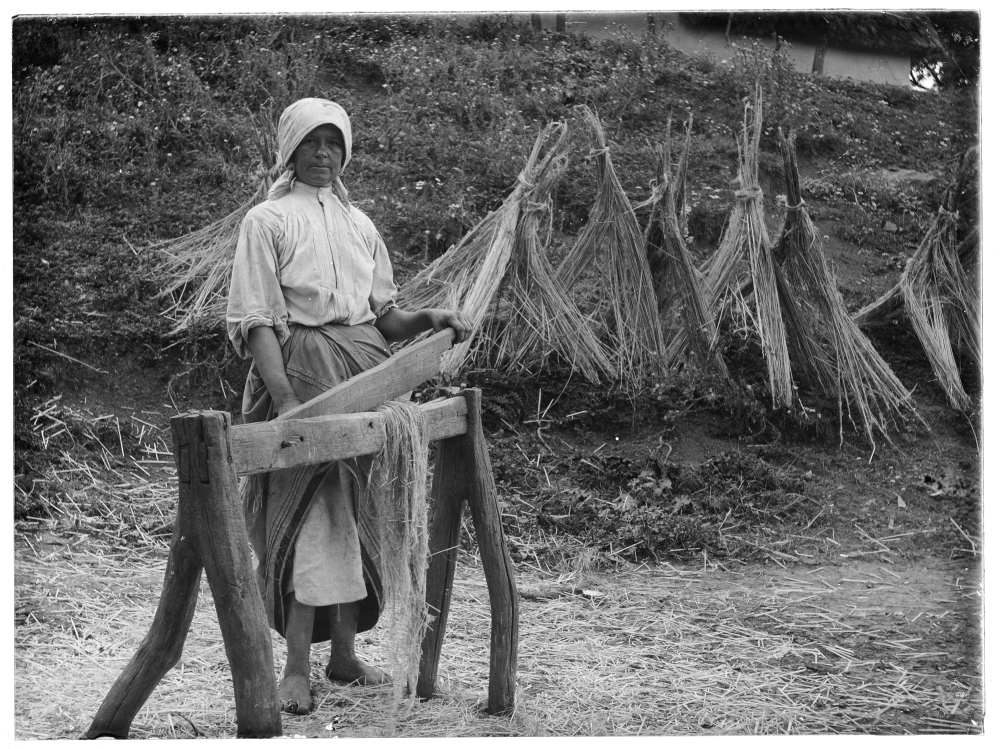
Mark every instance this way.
x=855 y=646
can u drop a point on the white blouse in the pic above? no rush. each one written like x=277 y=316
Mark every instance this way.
x=307 y=258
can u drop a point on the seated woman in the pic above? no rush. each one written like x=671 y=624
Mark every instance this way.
x=312 y=301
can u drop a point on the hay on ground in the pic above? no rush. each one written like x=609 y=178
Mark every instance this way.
x=676 y=649
x=613 y=242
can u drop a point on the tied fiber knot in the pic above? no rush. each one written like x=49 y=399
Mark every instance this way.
x=531 y=206
x=794 y=208
x=525 y=182
x=751 y=193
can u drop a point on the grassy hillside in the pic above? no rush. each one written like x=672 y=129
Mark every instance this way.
x=129 y=131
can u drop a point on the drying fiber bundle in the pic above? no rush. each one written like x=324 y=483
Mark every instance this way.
x=468 y=276
x=680 y=288
x=891 y=302
x=612 y=244
x=745 y=249
x=499 y=276
x=841 y=360
x=965 y=198
x=939 y=286
x=397 y=501
x=943 y=305
x=196 y=268
x=541 y=318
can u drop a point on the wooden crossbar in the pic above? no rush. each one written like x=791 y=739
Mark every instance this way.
x=209 y=534
x=270 y=445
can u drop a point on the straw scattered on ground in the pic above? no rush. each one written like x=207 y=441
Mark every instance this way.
x=645 y=651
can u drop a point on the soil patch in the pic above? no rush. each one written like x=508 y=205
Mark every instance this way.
x=858 y=647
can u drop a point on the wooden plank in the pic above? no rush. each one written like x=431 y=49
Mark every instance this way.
x=268 y=446
x=452 y=478
x=497 y=566
x=399 y=374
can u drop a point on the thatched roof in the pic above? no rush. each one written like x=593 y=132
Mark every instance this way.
x=897 y=31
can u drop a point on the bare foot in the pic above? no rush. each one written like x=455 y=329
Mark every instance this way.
x=294 y=694
x=346 y=668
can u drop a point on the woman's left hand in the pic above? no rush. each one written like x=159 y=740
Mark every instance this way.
x=457 y=321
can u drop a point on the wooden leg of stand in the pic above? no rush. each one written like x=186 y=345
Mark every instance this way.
x=496 y=562
x=451 y=480
x=225 y=552
x=162 y=647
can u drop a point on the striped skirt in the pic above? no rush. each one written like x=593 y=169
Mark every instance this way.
x=311 y=536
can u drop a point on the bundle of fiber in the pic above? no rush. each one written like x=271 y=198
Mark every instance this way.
x=891 y=302
x=939 y=288
x=541 y=319
x=672 y=267
x=665 y=187
x=196 y=268
x=842 y=361
x=397 y=500
x=965 y=194
x=449 y=280
x=499 y=276
x=943 y=306
x=745 y=251
x=613 y=242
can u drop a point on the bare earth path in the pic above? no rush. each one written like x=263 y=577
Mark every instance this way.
x=862 y=646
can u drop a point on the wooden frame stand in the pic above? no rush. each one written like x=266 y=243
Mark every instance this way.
x=210 y=534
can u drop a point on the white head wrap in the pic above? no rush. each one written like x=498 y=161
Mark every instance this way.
x=297 y=121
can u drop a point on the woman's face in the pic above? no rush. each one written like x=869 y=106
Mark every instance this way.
x=318 y=158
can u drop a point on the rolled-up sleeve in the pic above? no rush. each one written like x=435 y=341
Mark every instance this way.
x=255 y=297
x=383 y=296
